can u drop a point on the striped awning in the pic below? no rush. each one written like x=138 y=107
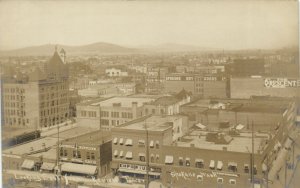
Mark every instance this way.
x=47 y=166
x=79 y=168
x=28 y=164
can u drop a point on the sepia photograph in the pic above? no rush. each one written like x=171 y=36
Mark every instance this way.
x=149 y=94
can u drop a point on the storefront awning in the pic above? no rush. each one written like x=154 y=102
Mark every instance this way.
x=187 y=159
x=239 y=127
x=47 y=166
x=115 y=140
x=219 y=165
x=142 y=154
x=232 y=164
x=180 y=158
x=134 y=171
x=199 y=161
x=128 y=155
x=116 y=153
x=169 y=159
x=212 y=164
x=79 y=168
x=28 y=164
x=128 y=142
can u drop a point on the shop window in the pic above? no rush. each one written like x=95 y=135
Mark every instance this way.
x=87 y=155
x=93 y=156
x=78 y=154
x=74 y=154
x=65 y=153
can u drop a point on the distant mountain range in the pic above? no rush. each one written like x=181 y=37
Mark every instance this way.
x=100 y=48
x=90 y=49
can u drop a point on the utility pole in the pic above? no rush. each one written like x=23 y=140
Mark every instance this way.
x=58 y=161
x=147 y=157
x=252 y=155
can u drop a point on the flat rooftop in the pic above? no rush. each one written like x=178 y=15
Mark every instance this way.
x=257 y=104
x=45 y=142
x=241 y=143
x=124 y=101
x=92 y=138
x=153 y=123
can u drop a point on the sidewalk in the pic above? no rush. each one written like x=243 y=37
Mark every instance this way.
x=53 y=130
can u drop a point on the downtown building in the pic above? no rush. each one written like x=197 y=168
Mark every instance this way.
x=191 y=154
x=37 y=99
x=202 y=85
x=110 y=112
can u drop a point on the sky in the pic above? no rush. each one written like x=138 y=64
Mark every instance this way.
x=208 y=24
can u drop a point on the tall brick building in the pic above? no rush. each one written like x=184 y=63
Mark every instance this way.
x=37 y=99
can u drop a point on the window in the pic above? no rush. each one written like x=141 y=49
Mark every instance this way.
x=157 y=145
x=61 y=152
x=115 y=140
x=199 y=178
x=151 y=144
x=232 y=181
x=157 y=158
x=141 y=143
x=128 y=142
x=65 y=153
x=78 y=154
x=152 y=158
x=104 y=122
x=116 y=153
x=93 y=156
x=83 y=113
x=246 y=168
x=232 y=166
x=121 y=141
x=199 y=163
x=142 y=157
x=254 y=170
x=87 y=155
x=187 y=162
x=220 y=180
x=180 y=161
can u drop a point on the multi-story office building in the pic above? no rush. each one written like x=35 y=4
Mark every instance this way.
x=39 y=99
x=107 y=113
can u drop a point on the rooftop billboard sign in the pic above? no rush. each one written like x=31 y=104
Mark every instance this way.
x=281 y=83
